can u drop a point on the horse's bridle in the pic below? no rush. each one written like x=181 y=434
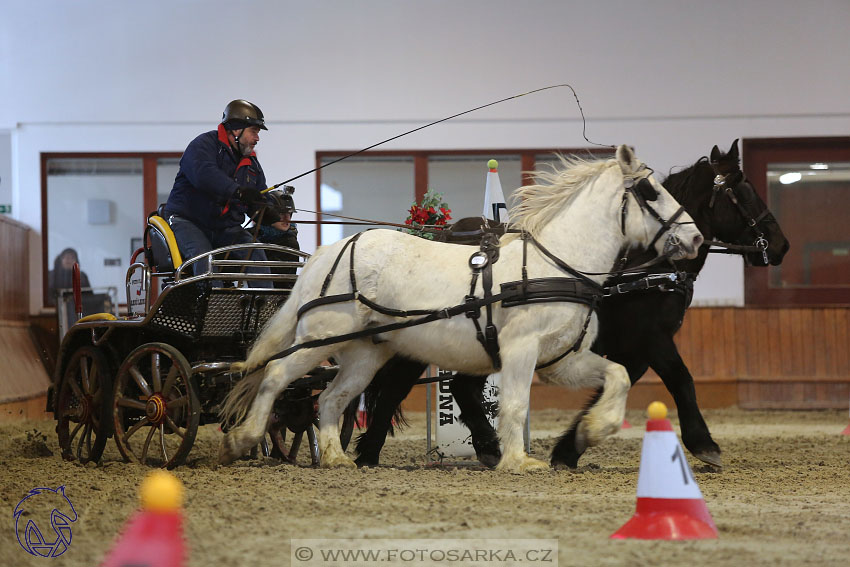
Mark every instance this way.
x=640 y=190
x=723 y=184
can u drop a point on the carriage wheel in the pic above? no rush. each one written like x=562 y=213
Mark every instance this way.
x=278 y=431
x=83 y=409
x=156 y=409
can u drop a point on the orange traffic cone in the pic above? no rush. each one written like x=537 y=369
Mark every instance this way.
x=154 y=535
x=669 y=502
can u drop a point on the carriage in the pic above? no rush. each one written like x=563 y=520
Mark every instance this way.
x=152 y=378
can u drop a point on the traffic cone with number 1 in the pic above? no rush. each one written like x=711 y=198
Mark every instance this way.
x=669 y=502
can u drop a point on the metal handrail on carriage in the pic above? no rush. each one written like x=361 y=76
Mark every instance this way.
x=183 y=274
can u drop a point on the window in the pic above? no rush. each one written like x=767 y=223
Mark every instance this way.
x=382 y=185
x=806 y=184
x=377 y=188
x=97 y=205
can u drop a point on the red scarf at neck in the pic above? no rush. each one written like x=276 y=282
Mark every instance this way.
x=246 y=160
x=222 y=137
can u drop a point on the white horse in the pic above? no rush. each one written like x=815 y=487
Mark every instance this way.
x=584 y=216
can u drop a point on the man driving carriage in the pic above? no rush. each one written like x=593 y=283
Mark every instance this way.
x=219 y=181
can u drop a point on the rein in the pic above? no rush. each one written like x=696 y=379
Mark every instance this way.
x=356 y=220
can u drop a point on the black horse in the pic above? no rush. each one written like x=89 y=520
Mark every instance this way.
x=636 y=329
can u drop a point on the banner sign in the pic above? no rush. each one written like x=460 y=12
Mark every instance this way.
x=453 y=438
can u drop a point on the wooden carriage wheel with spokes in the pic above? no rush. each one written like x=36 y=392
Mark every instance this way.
x=83 y=410
x=156 y=409
x=300 y=417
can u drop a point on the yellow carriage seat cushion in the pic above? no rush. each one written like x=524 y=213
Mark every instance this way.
x=98 y=317
x=163 y=245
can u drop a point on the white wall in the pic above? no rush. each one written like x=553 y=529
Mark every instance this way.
x=5 y=168
x=670 y=77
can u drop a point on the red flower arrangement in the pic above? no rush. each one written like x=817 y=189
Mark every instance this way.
x=432 y=213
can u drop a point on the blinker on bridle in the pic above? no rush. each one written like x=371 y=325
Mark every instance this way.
x=643 y=192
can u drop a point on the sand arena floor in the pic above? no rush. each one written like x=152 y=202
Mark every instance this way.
x=783 y=497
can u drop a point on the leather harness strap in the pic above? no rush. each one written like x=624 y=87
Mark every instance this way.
x=482 y=263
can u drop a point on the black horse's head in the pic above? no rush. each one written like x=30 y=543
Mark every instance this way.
x=726 y=207
x=739 y=214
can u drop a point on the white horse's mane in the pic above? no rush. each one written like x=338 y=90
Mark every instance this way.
x=535 y=205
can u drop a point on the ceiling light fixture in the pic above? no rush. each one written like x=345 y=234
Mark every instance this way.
x=790 y=177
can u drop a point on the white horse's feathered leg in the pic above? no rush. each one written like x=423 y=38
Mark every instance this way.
x=586 y=369
x=514 y=394
x=606 y=416
x=358 y=364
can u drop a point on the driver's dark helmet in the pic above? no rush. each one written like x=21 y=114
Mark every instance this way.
x=282 y=201
x=240 y=114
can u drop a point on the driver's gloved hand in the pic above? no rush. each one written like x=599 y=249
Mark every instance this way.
x=249 y=195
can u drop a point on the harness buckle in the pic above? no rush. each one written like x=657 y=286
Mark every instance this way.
x=473 y=312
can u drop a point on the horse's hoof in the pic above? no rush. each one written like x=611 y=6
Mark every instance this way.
x=564 y=459
x=362 y=461
x=226 y=455
x=488 y=460
x=562 y=466
x=530 y=464
x=338 y=463
x=710 y=457
x=521 y=466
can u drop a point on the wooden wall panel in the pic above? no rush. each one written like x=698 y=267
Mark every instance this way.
x=774 y=357
x=23 y=375
x=14 y=288
x=842 y=320
x=23 y=380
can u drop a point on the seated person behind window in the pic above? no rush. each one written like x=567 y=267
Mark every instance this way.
x=60 y=276
x=219 y=180
x=280 y=231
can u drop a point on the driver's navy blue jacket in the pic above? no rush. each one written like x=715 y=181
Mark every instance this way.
x=205 y=186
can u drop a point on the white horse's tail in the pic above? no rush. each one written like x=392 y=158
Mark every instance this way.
x=278 y=334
